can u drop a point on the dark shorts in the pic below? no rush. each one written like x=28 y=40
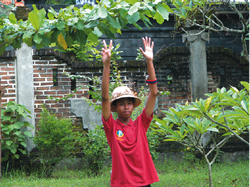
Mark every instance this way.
x=146 y=186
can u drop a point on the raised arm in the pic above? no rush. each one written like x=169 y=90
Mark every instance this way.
x=148 y=54
x=106 y=57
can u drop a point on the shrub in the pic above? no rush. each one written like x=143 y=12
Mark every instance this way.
x=55 y=140
x=14 y=132
x=96 y=149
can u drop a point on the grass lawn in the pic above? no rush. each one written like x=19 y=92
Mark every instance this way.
x=171 y=174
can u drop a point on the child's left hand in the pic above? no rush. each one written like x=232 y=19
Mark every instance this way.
x=106 y=53
x=148 y=46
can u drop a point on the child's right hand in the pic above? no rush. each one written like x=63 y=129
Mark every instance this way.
x=106 y=53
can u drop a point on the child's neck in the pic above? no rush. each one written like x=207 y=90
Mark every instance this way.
x=125 y=121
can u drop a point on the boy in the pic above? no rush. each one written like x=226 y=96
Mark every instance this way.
x=132 y=165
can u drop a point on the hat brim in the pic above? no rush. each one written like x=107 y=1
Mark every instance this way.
x=136 y=103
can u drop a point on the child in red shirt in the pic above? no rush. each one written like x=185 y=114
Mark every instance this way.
x=132 y=165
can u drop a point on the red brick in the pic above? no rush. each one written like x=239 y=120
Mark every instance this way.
x=38 y=102
x=64 y=83
x=3 y=101
x=11 y=81
x=3 y=73
x=39 y=71
x=11 y=91
x=64 y=79
x=57 y=105
x=38 y=93
x=50 y=93
x=3 y=83
x=41 y=97
x=56 y=88
x=63 y=92
x=46 y=84
x=41 y=62
x=8 y=69
x=46 y=75
x=64 y=110
x=181 y=97
x=8 y=77
x=39 y=79
x=42 y=88
x=59 y=115
x=50 y=101
x=38 y=110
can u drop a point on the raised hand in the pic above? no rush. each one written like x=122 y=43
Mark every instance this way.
x=148 y=46
x=106 y=52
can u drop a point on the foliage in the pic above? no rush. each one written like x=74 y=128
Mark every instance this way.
x=71 y=24
x=224 y=112
x=96 y=149
x=5 y=10
x=87 y=52
x=182 y=174
x=55 y=140
x=203 y=14
x=60 y=2
x=14 y=130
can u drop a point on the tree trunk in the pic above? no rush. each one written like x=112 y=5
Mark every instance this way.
x=210 y=175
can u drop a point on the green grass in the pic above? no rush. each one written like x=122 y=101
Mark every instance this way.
x=171 y=174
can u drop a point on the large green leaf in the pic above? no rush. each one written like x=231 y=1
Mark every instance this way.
x=81 y=37
x=80 y=25
x=245 y=84
x=133 y=18
x=12 y=18
x=92 y=24
x=160 y=9
x=245 y=105
x=131 y=1
x=102 y=12
x=158 y=17
x=133 y=9
x=37 y=38
x=36 y=17
x=114 y=22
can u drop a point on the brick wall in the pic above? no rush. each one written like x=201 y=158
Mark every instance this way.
x=170 y=62
x=45 y=87
x=7 y=74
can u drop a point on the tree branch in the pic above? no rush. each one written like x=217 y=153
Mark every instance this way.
x=209 y=118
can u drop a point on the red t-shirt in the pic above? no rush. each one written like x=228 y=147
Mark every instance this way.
x=132 y=165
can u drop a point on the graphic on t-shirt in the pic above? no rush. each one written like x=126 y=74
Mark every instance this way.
x=119 y=135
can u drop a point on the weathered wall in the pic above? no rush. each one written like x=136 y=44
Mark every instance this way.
x=224 y=69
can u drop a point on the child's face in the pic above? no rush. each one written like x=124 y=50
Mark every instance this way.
x=124 y=107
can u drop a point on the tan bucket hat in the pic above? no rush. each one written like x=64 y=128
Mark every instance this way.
x=124 y=92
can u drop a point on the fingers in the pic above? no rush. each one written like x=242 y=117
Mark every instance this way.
x=105 y=45
x=110 y=44
x=147 y=42
x=141 y=50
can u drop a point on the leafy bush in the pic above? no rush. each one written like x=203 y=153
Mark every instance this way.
x=14 y=132
x=55 y=140
x=96 y=149
x=223 y=114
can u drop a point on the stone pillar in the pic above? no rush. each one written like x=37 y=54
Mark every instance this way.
x=198 y=66
x=25 y=85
